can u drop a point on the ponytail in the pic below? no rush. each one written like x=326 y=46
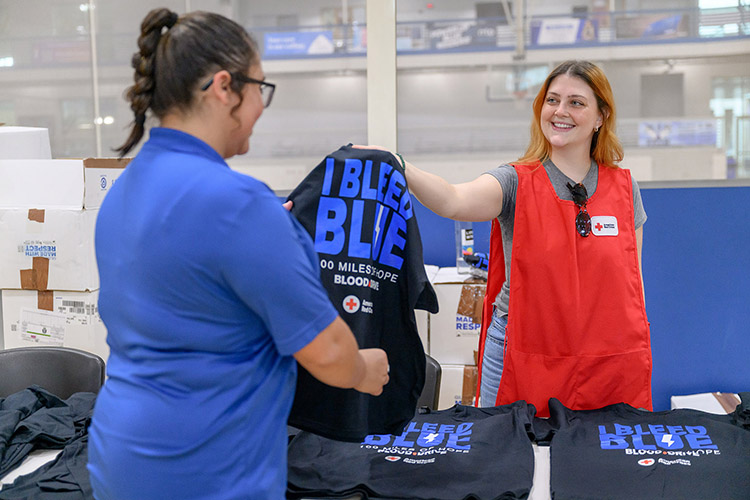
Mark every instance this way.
x=140 y=94
x=177 y=54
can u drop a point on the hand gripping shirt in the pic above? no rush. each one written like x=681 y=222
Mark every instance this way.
x=619 y=452
x=356 y=206
x=459 y=453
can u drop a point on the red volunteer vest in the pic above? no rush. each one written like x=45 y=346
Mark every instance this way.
x=577 y=328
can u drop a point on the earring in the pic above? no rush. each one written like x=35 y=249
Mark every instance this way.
x=596 y=129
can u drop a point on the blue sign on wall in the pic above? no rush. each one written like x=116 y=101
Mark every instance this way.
x=298 y=43
x=677 y=133
x=564 y=31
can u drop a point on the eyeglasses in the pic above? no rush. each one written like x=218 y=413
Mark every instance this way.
x=266 y=89
x=583 y=219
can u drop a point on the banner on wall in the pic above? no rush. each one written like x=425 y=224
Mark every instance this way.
x=451 y=35
x=564 y=31
x=652 y=26
x=677 y=133
x=298 y=43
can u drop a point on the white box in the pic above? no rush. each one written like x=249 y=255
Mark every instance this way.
x=423 y=325
x=431 y=271
x=48 y=250
x=711 y=402
x=458 y=385
x=98 y=176
x=41 y=184
x=24 y=143
x=454 y=331
x=57 y=184
x=69 y=319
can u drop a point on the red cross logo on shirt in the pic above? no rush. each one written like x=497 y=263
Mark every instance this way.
x=598 y=226
x=351 y=304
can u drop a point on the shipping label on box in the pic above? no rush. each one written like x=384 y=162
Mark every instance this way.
x=69 y=319
x=454 y=331
x=41 y=327
x=48 y=250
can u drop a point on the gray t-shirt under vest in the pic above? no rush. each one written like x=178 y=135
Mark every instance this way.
x=507 y=176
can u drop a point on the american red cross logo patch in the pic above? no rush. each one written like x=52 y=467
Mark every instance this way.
x=604 y=225
x=351 y=304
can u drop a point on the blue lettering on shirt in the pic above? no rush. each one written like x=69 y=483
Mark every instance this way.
x=428 y=435
x=342 y=204
x=652 y=437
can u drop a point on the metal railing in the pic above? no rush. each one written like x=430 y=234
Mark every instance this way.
x=499 y=34
x=417 y=37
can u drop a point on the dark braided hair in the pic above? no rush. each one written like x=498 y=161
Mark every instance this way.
x=177 y=53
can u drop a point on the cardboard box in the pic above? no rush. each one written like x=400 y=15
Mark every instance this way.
x=423 y=325
x=454 y=331
x=69 y=319
x=57 y=184
x=48 y=212
x=24 y=143
x=48 y=250
x=458 y=385
x=98 y=176
x=711 y=402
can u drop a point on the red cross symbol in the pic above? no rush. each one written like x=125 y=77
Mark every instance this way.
x=351 y=303
x=598 y=226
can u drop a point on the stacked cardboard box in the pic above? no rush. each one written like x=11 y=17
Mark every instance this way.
x=453 y=334
x=48 y=273
x=24 y=142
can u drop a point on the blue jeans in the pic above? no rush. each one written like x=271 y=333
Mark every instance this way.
x=492 y=360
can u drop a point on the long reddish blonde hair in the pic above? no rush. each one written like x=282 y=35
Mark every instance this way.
x=605 y=146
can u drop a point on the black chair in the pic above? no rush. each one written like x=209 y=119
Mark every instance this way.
x=431 y=390
x=60 y=370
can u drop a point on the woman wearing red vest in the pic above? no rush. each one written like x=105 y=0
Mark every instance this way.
x=569 y=321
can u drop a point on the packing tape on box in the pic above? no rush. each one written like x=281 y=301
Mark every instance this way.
x=470 y=303
x=36 y=215
x=727 y=400
x=468 y=392
x=45 y=301
x=37 y=277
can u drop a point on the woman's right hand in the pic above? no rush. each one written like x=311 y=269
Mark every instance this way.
x=376 y=371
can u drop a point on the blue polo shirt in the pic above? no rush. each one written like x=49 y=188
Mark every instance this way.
x=208 y=287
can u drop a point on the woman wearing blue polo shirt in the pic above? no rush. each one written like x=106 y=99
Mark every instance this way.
x=209 y=288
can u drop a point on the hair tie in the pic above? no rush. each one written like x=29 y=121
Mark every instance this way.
x=171 y=21
x=173 y=17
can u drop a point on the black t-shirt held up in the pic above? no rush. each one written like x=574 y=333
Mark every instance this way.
x=356 y=206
